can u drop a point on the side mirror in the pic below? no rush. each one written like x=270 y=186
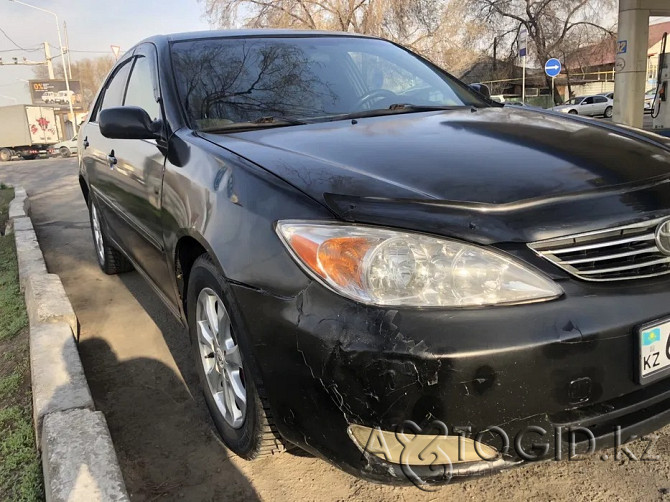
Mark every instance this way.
x=128 y=122
x=481 y=89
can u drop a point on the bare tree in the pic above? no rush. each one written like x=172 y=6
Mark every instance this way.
x=555 y=27
x=437 y=29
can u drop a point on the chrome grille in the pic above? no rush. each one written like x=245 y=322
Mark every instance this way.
x=613 y=254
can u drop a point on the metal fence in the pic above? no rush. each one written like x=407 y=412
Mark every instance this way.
x=562 y=79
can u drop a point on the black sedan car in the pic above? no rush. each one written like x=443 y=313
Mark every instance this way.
x=377 y=264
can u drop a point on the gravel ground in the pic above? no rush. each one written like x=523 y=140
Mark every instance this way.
x=136 y=359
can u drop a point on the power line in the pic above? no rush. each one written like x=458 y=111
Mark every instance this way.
x=93 y=52
x=16 y=50
x=15 y=44
x=82 y=51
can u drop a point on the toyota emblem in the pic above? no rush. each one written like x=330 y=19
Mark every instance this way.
x=663 y=237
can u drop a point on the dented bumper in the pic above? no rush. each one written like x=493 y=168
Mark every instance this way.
x=564 y=366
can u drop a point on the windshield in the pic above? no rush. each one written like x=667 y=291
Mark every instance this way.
x=574 y=101
x=231 y=82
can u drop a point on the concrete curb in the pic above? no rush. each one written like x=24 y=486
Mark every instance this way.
x=58 y=378
x=47 y=302
x=78 y=457
x=28 y=251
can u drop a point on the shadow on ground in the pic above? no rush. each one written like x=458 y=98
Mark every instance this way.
x=164 y=445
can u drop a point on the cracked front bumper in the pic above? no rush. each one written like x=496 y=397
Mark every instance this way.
x=327 y=362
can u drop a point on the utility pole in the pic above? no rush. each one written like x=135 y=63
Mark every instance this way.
x=523 y=52
x=523 y=82
x=47 y=58
x=62 y=53
x=67 y=46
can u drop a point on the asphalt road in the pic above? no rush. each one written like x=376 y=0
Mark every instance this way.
x=136 y=358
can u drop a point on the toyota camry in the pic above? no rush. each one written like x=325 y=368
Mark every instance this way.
x=376 y=263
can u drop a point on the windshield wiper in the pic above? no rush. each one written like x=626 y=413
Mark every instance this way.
x=279 y=120
x=262 y=122
x=426 y=108
x=397 y=108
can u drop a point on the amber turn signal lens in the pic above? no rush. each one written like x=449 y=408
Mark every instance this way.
x=306 y=250
x=341 y=258
x=338 y=259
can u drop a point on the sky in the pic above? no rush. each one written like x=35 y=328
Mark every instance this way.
x=92 y=25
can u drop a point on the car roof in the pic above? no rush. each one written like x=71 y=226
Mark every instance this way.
x=248 y=33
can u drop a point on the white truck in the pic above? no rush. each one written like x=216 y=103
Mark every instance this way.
x=27 y=131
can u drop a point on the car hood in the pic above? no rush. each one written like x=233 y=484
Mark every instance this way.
x=492 y=162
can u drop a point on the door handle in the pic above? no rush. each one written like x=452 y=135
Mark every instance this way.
x=111 y=160
x=85 y=142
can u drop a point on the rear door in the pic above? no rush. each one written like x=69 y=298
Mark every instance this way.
x=42 y=125
x=138 y=178
x=599 y=105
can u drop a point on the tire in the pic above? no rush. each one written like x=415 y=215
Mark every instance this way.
x=110 y=259
x=64 y=152
x=5 y=154
x=29 y=157
x=608 y=112
x=248 y=429
x=573 y=112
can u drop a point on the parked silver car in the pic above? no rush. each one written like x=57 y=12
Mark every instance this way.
x=590 y=106
x=66 y=148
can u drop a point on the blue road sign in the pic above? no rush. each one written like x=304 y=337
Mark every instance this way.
x=552 y=67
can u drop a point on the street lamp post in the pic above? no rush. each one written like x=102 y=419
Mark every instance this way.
x=62 y=54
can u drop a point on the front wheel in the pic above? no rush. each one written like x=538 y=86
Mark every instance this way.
x=608 y=112
x=64 y=152
x=232 y=392
x=573 y=112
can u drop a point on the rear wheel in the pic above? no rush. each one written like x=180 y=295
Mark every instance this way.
x=5 y=154
x=64 y=152
x=110 y=259
x=608 y=112
x=233 y=394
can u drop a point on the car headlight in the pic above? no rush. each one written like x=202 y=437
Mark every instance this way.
x=392 y=268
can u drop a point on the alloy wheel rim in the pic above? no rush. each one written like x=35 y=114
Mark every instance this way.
x=220 y=358
x=97 y=234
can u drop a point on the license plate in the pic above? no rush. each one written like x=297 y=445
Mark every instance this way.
x=654 y=350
